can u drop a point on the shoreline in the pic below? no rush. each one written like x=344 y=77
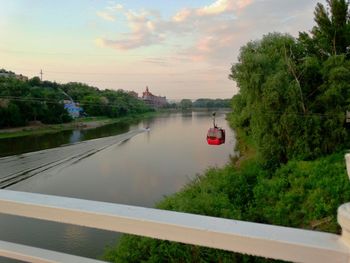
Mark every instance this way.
x=82 y=124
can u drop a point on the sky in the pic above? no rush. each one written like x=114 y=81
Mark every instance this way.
x=179 y=49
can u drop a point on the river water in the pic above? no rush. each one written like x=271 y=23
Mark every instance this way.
x=139 y=170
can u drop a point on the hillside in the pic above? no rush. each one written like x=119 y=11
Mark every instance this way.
x=23 y=101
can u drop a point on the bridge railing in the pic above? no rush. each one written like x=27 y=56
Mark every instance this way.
x=263 y=240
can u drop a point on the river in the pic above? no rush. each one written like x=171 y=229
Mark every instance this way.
x=139 y=168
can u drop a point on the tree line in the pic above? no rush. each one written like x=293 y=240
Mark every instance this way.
x=24 y=101
x=295 y=92
x=205 y=103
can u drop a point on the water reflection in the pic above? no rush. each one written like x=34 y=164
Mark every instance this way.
x=75 y=136
x=33 y=143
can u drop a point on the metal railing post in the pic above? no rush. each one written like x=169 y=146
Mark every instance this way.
x=344 y=212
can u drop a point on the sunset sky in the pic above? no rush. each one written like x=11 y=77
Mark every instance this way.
x=180 y=49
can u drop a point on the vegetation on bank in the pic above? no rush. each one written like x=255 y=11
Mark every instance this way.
x=22 y=102
x=295 y=92
x=205 y=103
x=290 y=112
x=303 y=194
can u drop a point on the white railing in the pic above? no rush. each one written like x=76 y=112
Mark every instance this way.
x=268 y=241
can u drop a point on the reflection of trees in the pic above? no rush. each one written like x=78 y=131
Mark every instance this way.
x=107 y=130
x=148 y=123
x=187 y=116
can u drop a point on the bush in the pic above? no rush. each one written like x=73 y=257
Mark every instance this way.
x=303 y=194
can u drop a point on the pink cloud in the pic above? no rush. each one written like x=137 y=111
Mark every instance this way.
x=142 y=32
x=212 y=33
x=222 y=6
x=215 y=8
x=240 y=4
x=130 y=41
x=148 y=28
x=182 y=15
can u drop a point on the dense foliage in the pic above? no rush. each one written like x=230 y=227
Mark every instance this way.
x=299 y=194
x=185 y=104
x=24 y=101
x=35 y=100
x=294 y=93
x=109 y=103
x=205 y=103
x=212 y=103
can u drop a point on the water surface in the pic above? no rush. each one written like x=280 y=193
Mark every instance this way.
x=139 y=171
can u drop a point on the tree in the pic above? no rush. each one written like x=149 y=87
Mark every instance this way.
x=22 y=102
x=185 y=104
x=331 y=35
x=35 y=81
x=210 y=103
x=14 y=117
x=294 y=92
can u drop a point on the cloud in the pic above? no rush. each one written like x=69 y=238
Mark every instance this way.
x=182 y=15
x=105 y=15
x=115 y=7
x=130 y=41
x=143 y=32
x=157 y=61
x=215 y=8
x=222 y=6
x=109 y=12
x=148 y=28
x=213 y=33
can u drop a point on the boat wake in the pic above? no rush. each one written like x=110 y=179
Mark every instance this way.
x=14 y=169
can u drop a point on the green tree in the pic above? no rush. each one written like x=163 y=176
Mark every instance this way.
x=270 y=99
x=331 y=35
x=35 y=81
x=14 y=115
x=185 y=104
x=34 y=100
x=294 y=92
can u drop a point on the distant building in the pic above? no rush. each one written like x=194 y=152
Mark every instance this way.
x=9 y=74
x=73 y=108
x=152 y=100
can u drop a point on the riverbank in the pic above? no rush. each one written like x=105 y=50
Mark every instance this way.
x=82 y=124
x=302 y=194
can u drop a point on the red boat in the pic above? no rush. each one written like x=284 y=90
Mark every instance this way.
x=215 y=135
